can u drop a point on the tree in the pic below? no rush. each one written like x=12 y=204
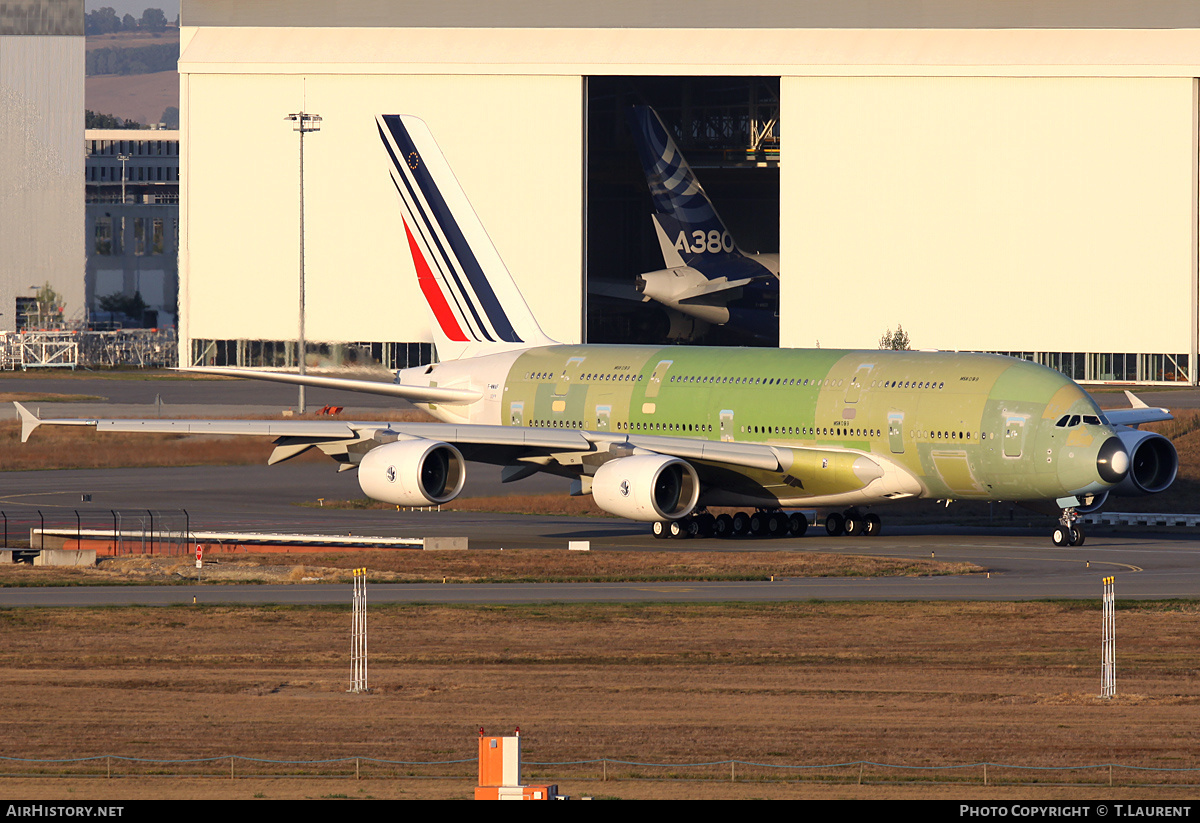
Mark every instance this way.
x=93 y=120
x=129 y=23
x=49 y=307
x=102 y=21
x=896 y=341
x=170 y=117
x=154 y=20
x=120 y=303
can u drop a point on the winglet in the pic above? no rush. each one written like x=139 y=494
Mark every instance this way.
x=29 y=421
x=1135 y=401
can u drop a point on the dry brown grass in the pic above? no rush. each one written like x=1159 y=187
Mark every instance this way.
x=507 y=566
x=914 y=684
x=46 y=397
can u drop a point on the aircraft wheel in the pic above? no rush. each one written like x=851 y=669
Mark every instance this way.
x=777 y=524
x=797 y=524
x=872 y=525
x=741 y=524
x=723 y=526
x=659 y=529
x=1061 y=536
x=835 y=525
x=678 y=529
x=703 y=525
x=758 y=524
x=1077 y=535
x=854 y=525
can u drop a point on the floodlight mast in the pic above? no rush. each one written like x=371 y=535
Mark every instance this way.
x=303 y=122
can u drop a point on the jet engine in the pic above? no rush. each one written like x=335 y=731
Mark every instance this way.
x=647 y=487
x=666 y=285
x=1153 y=463
x=412 y=473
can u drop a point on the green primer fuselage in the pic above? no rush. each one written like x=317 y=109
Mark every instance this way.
x=962 y=425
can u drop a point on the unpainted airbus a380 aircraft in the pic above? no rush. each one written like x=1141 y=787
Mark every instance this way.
x=659 y=434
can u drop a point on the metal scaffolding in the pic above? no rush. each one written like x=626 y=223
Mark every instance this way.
x=72 y=349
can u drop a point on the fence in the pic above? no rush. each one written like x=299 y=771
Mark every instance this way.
x=604 y=769
x=131 y=531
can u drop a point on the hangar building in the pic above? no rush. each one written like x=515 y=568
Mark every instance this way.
x=993 y=176
x=41 y=166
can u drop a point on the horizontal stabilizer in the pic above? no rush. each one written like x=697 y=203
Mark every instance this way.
x=417 y=394
x=713 y=287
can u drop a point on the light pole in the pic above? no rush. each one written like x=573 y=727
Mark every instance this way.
x=302 y=122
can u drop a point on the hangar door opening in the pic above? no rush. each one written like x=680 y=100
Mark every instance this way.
x=682 y=210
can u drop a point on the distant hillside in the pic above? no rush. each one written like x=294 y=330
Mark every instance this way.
x=140 y=97
x=133 y=75
x=132 y=39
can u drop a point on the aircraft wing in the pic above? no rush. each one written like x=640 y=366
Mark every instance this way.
x=419 y=394
x=1137 y=414
x=334 y=437
x=754 y=467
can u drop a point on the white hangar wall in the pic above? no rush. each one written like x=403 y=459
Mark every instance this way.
x=241 y=174
x=990 y=213
x=1022 y=190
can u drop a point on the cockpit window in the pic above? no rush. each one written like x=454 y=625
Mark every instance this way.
x=1091 y=420
x=1062 y=421
x=1074 y=421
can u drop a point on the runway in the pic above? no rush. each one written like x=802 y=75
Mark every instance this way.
x=1023 y=564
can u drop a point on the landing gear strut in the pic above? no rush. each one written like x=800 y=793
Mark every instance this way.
x=1069 y=531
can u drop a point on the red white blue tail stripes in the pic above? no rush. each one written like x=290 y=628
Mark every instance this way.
x=475 y=303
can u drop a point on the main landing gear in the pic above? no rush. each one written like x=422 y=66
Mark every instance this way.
x=763 y=523
x=1069 y=531
x=853 y=523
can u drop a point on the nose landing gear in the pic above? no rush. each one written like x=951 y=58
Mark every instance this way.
x=1069 y=531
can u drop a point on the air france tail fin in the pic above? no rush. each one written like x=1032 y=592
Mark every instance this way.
x=476 y=307
x=684 y=213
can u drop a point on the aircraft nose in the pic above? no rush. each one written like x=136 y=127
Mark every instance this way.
x=1113 y=461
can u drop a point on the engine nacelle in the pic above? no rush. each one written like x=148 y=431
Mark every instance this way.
x=667 y=285
x=1096 y=505
x=647 y=487
x=412 y=473
x=1153 y=463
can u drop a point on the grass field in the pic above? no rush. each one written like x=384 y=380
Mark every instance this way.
x=511 y=566
x=920 y=686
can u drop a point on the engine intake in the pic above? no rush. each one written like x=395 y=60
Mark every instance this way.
x=647 y=487
x=412 y=473
x=1153 y=463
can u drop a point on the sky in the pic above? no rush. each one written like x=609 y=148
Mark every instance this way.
x=135 y=7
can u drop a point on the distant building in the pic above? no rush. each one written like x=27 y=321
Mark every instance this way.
x=132 y=233
x=41 y=125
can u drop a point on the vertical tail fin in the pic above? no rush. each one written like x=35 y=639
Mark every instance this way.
x=475 y=305
x=684 y=212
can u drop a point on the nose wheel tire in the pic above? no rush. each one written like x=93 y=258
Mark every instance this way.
x=1073 y=536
